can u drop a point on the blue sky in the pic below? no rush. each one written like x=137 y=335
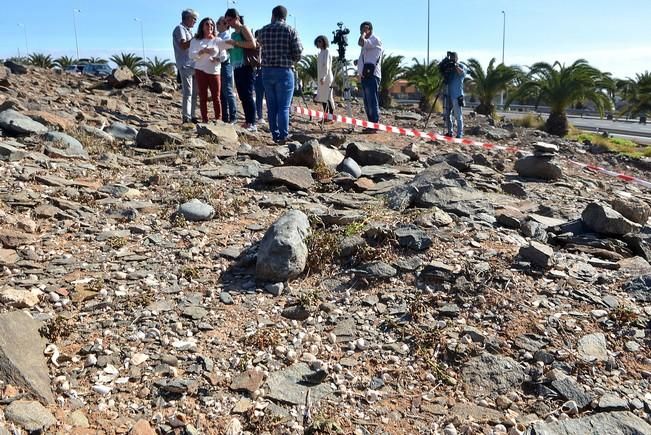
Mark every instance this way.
x=613 y=36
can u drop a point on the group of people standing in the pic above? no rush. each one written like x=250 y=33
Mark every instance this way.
x=261 y=65
x=213 y=59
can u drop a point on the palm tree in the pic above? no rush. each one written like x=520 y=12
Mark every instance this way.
x=562 y=86
x=392 y=70
x=64 y=61
x=487 y=85
x=427 y=79
x=129 y=60
x=307 y=69
x=40 y=60
x=637 y=94
x=159 y=67
x=97 y=60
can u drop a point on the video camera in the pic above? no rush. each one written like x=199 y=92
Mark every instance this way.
x=341 y=40
x=448 y=66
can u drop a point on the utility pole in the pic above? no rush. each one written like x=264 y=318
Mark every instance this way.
x=25 y=34
x=142 y=37
x=503 y=45
x=428 y=5
x=74 y=23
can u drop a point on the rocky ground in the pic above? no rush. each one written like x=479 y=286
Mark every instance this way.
x=159 y=278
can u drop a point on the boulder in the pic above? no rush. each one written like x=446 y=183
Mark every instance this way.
x=121 y=131
x=219 y=133
x=312 y=154
x=294 y=177
x=16 y=123
x=16 y=68
x=538 y=167
x=5 y=73
x=634 y=210
x=63 y=146
x=31 y=416
x=121 y=77
x=21 y=355
x=490 y=375
x=350 y=167
x=160 y=87
x=372 y=154
x=155 y=139
x=538 y=254
x=282 y=253
x=639 y=288
x=604 y=220
x=611 y=423
x=195 y=210
x=640 y=243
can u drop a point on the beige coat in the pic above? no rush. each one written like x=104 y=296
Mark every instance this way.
x=324 y=71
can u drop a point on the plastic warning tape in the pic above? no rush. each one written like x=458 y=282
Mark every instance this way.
x=462 y=141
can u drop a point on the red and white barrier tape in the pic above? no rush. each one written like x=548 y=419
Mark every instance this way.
x=463 y=141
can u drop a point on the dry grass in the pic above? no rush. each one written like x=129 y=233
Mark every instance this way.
x=530 y=120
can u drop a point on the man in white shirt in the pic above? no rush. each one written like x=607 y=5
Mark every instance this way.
x=181 y=37
x=369 y=69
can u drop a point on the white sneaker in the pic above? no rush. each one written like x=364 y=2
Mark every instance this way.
x=252 y=128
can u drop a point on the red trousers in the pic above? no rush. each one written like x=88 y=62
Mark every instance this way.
x=205 y=81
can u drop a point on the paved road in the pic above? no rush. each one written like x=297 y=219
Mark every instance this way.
x=628 y=129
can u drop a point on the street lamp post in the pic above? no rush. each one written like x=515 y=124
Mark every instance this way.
x=294 y=17
x=142 y=37
x=428 y=2
x=74 y=23
x=25 y=34
x=503 y=45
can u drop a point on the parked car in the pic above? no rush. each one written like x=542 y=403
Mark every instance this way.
x=74 y=69
x=97 y=69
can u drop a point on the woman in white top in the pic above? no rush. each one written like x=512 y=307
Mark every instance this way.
x=206 y=50
x=324 y=73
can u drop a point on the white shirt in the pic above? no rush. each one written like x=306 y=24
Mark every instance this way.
x=208 y=63
x=371 y=53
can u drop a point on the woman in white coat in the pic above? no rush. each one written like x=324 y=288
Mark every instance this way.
x=324 y=73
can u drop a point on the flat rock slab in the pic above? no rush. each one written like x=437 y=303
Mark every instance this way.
x=489 y=375
x=17 y=123
x=220 y=133
x=592 y=348
x=479 y=414
x=31 y=416
x=121 y=131
x=152 y=138
x=294 y=177
x=249 y=381
x=604 y=220
x=12 y=239
x=640 y=288
x=248 y=169
x=21 y=355
x=611 y=423
x=286 y=386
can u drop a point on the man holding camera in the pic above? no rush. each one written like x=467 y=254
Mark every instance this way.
x=368 y=68
x=453 y=73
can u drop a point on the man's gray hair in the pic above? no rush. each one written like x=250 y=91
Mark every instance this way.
x=188 y=13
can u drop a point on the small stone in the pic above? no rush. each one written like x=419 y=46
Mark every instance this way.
x=31 y=416
x=195 y=210
x=611 y=402
x=350 y=166
x=142 y=427
x=249 y=381
x=138 y=359
x=78 y=419
x=275 y=289
x=592 y=348
x=538 y=254
x=226 y=298
x=296 y=312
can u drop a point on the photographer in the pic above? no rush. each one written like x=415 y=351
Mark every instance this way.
x=368 y=68
x=453 y=73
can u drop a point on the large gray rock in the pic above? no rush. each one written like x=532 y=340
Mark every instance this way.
x=640 y=243
x=538 y=167
x=538 y=254
x=21 y=355
x=219 y=133
x=289 y=386
x=195 y=211
x=97 y=133
x=282 y=254
x=350 y=167
x=403 y=197
x=156 y=139
x=121 y=131
x=14 y=122
x=412 y=237
x=5 y=73
x=313 y=154
x=246 y=169
x=10 y=152
x=489 y=375
x=604 y=220
x=121 y=77
x=611 y=423
x=634 y=210
x=16 y=68
x=592 y=348
x=31 y=416
x=367 y=154
x=62 y=145
x=294 y=177
x=639 y=288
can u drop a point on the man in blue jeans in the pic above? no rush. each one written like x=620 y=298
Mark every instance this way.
x=370 y=71
x=454 y=74
x=281 y=49
x=229 y=107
